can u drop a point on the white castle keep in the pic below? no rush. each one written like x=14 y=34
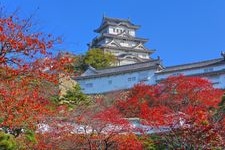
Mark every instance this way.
x=134 y=63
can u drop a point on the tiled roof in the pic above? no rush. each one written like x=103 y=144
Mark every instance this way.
x=150 y=64
x=201 y=64
x=115 y=22
x=122 y=37
x=129 y=49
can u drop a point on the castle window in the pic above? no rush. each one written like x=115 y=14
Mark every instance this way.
x=208 y=69
x=131 y=79
x=89 y=85
x=110 y=82
x=176 y=74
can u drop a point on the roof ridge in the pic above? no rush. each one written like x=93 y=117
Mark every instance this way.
x=118 y=19
x=197 y=62
x=151 y=60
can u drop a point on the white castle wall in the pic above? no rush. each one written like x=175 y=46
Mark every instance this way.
x=116 y=82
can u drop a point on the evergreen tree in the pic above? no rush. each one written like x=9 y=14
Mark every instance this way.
x=98 y=59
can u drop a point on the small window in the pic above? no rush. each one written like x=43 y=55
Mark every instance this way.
x=89 y=85
x=131 y=79
x=176 y=74
x=110 y=82
x=114 y=30
x=208 y=70
x=117 y=30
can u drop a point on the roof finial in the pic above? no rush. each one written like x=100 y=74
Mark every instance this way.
x=223 y=54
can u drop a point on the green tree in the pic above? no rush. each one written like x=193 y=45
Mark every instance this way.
x=7 y=141
x=220 y=113
x=74 y=97
x=98 y=59
x=79 y=65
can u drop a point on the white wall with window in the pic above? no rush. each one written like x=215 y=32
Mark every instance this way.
x=190 y=71
x=116 y=82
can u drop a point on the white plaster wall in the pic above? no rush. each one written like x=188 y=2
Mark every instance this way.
x=143 y=55
x=128 y=43
x=126 y=62
x=218 y=81
x=132 y=33
x=189 y=72
x=117 y=82
x=111 y=31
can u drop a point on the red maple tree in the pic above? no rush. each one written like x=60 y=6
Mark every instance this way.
x=27 y=69
x=181 y=107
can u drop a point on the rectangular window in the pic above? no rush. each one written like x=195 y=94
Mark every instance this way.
x=89 y=85
x=114 y=30
x=176 y=74
x=143 y=55
x=208 y=69
x=117 y=30
x=143 y=76
x=131 y=79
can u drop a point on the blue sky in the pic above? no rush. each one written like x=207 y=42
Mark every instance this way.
x=181 y=31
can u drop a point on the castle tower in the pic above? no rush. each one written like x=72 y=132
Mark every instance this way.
x=118 y=36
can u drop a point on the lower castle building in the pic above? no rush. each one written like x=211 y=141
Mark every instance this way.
x=134 y=64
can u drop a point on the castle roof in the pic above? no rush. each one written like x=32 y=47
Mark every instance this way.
x=195 y=65
x=150 y=64
x=106 y=21
x=131 y=38
x=130 y=49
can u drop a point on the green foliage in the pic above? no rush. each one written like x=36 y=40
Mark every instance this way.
x=7 y=141
x=30 y=136
x=220 y=113
x=79 y=65
x=98 y=59
x=222 y=103
x=147 y=143
x=74 y=97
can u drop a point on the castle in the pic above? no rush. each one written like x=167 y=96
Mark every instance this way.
x=134 y=63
